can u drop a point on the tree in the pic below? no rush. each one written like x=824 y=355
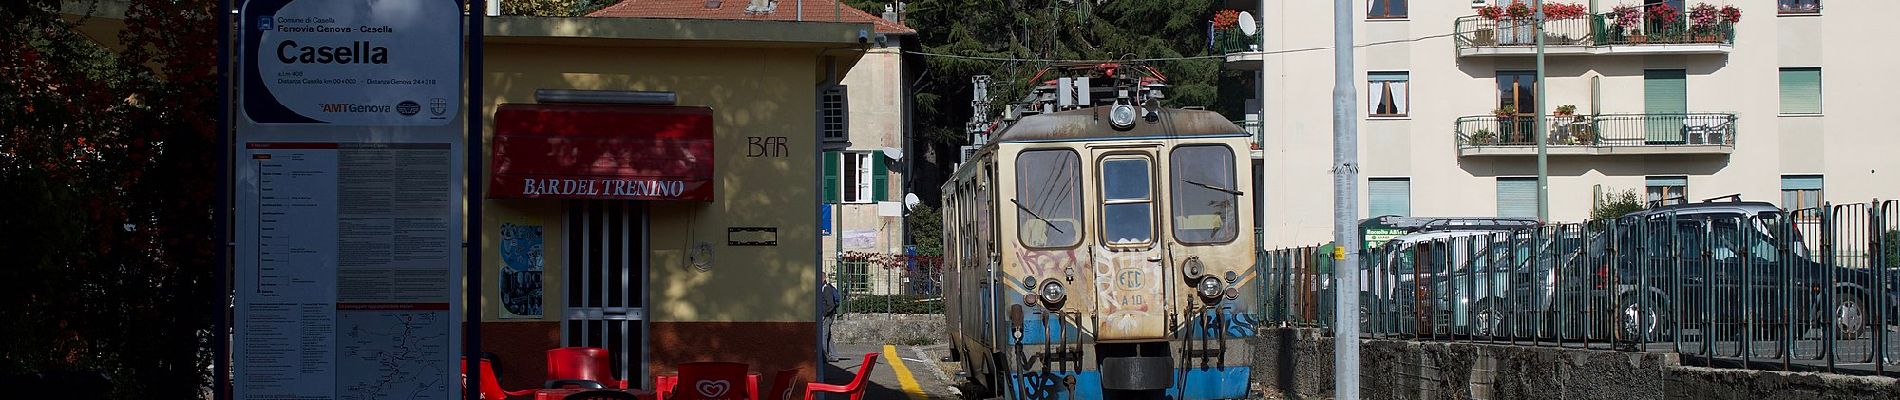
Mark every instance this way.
x=1616 y=204
x=926 y=229
x=1029 y=30
x=107 y=160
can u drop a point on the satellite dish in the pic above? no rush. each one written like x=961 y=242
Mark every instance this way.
x=911 y=201
x=1246 y=23
x=894 y=153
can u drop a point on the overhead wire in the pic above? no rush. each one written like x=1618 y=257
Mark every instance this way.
x=1163 y=59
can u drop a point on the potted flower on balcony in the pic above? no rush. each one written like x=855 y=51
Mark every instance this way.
x=1226 y=28
x=1565 y=111
x=1703 y=19
x=1521 y=28
x=1664 y=20
x=1730 y=17
x=1507 y=121
x=1629 y=22
x=1483 y=137
x=1486 y=35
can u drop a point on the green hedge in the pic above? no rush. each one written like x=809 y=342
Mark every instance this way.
x=894 y=304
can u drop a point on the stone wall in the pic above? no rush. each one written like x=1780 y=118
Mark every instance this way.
x=1298 y=363
x=888 y=328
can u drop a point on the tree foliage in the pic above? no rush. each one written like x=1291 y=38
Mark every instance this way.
x=925 y=224
x=108 y=161
x=1616 y=204
x=1043 y=30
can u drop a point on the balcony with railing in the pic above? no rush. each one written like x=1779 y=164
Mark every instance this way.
x=1237 y=45
x=1625 y=31
x=1602 y=134
x=1253 y=135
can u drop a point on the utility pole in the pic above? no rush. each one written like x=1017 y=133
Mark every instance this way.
x=1260 y=135
x=1543 y=129
x=1345 y=208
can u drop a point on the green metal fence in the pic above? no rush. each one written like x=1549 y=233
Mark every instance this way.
x=1812 y=289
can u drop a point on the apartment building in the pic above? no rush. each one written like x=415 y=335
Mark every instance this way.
x=1783 y=104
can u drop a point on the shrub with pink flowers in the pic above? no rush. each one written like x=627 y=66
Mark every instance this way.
x=1703 y=18
x=1627 y=18
x=1731 y=15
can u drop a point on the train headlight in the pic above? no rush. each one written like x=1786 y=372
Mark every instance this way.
x=1122 y=116
x=1210 y=288
x=1192 y=268
x=1052 y=293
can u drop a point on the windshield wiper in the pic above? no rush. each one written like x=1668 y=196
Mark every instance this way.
x=1215 y=188
x=1052 y=225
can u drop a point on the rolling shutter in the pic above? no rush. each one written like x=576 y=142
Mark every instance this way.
x=1517 y=197
x=1800 y=90
x=1390 y=196
x=1665 y=100
x=1801 y=182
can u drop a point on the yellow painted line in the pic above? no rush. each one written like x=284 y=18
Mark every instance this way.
x=911 y=388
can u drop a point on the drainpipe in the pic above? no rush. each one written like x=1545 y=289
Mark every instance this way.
x=1543 y=156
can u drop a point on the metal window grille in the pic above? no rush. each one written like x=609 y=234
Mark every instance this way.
x=833 y=115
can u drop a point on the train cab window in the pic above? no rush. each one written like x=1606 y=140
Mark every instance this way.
x=1204 y=195
x=1127 y=206
x=1049 y=202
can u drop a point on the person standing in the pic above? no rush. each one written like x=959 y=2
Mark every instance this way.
x=828 y=304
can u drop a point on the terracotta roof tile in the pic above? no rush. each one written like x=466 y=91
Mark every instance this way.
x=786 y=10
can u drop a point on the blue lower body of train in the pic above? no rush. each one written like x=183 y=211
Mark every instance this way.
x=1207 y=358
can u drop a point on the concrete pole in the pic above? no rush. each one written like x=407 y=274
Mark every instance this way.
x=1345 y=207
x=1543 y=129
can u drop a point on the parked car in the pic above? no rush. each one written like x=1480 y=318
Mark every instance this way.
x=1725 y=265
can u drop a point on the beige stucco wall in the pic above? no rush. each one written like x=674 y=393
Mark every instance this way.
x=876 y=102
x=1849 y=144
x=771 y=93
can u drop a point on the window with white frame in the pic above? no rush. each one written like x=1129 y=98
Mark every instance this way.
x=833 y=114
x=858 y=177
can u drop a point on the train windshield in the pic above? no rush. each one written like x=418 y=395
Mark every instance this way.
x=1048 y=198
x=1204 y=196
x=1126 y=207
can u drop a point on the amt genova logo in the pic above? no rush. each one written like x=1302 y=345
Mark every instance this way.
x=264 y=23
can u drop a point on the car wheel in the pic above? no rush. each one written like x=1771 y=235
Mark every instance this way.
x=1850 y=316
x=1489 y=320
x=1641 y=320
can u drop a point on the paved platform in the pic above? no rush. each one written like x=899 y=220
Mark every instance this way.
x=902 y=372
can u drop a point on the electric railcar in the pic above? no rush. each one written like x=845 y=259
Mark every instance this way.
x=1104 y=252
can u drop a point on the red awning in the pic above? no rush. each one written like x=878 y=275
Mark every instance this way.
x=602 y=151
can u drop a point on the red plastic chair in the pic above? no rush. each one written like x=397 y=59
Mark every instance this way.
x=855 y=389
x=491 y=385
x=577 y=366
x=663 y=386
x=714 y=381
x=784 y=385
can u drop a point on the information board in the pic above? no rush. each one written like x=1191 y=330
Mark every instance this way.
x=348 y=192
